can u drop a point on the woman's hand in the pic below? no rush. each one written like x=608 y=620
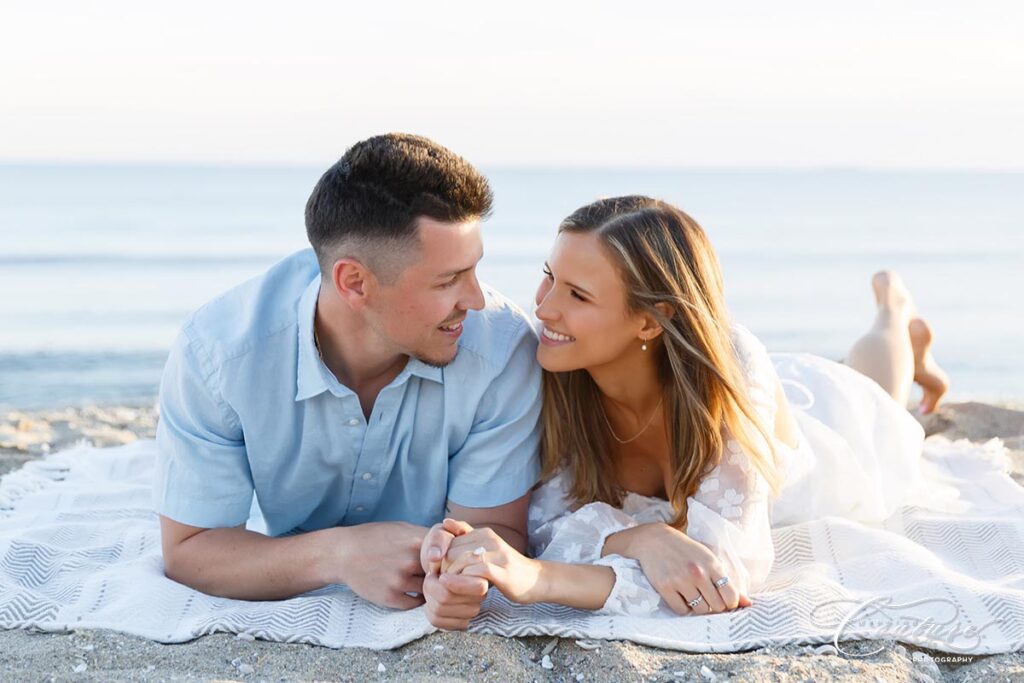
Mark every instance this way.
x=482 y=552
x=678 y=567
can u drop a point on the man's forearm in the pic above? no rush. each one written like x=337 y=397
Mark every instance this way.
x=245 y=565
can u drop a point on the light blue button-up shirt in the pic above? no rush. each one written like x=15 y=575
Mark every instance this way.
x=247 y=407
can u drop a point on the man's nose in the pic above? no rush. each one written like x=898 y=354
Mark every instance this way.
x=473 y=299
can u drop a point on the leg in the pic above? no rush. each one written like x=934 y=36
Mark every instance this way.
x=896 y=351
x=885 y=353
x=933 y=380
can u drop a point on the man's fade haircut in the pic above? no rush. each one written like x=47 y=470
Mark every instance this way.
x=366 y=205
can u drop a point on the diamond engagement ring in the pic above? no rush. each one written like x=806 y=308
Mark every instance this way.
x=721 y=582
x=696 y=601
x=479 y=551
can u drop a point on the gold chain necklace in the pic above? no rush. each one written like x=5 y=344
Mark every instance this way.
x=637 y=436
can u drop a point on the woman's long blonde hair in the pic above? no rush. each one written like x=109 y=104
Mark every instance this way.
x=664 y=257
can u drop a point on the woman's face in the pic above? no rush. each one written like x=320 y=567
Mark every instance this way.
x=582 y=304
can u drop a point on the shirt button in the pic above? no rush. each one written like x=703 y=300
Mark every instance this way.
x=359 y=508
x=367 y=476
x=353 y=422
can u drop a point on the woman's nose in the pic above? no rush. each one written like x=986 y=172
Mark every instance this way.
x=543 y=308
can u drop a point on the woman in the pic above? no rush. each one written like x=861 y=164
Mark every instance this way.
x=668 y=431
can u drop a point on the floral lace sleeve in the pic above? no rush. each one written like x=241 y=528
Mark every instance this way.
x=730 y=515
x=731 y=511
x=560 y=534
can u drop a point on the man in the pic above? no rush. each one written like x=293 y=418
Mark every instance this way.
x=359 y=390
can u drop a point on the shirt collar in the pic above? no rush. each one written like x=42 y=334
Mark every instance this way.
x=310 y=370
x=421 y=369
x=312 y=374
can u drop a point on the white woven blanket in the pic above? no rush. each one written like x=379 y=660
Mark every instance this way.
x=80 y=548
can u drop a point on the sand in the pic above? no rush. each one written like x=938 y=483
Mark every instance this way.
x=105 y=655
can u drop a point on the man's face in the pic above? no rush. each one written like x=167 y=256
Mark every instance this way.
x=421 y=313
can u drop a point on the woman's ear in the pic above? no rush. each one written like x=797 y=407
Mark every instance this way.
x=652 y=328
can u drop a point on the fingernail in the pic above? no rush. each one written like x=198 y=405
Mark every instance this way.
x=434 y=553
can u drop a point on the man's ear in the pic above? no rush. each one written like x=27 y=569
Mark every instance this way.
x=352 y=280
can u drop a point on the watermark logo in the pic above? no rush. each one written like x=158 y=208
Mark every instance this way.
x=923 y=657
x=881 y=617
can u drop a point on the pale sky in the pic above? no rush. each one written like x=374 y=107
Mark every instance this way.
x=921 y=84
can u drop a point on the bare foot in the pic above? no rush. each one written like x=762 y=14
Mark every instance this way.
x=933 y=379
x=891 y=293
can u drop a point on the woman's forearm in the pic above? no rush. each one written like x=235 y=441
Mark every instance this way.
x=584 y=586
x=623 y=542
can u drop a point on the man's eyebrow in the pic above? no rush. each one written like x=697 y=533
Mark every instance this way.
x=452 y=273
x=569 y=284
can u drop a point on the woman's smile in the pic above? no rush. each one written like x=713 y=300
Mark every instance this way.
x=549 y=337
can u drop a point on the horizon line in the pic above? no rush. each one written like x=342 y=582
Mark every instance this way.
x=310 y=165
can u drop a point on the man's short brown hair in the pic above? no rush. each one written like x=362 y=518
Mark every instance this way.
x=366 y=205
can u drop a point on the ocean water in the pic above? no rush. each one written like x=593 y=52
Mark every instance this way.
x=100 y=264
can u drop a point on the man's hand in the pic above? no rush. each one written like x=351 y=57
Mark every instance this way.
x=436 y=543
x=380 y=562
x=452 y=600
x=484 y=553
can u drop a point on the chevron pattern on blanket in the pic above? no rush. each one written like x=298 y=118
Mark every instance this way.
x=79 y=548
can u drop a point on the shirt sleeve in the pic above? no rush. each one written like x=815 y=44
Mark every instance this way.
x=202 y=475
x=731 y=511
x=730 y=515
x=559 y=534
x=632 y=594
x=578 y=537
x=499 y=460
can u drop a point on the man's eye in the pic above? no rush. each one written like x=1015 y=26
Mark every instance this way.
x=450 y=283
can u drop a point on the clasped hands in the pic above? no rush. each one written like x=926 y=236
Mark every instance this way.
x=460 y=563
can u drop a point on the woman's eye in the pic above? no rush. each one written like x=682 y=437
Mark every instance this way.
x=572 y=292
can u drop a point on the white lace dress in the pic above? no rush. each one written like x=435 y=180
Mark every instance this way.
x=858 y=457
